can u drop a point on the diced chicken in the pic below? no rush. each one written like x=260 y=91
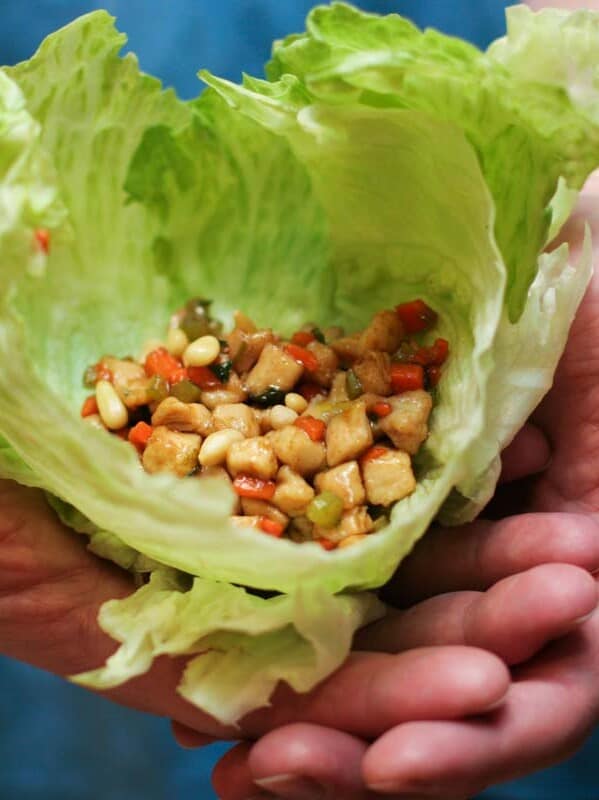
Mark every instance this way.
x=241 y=521
x=345 y=481
x=254 y=456
x=293 y=493
x=274 y=368
x=261 y=508
x=348 y=348
x=232 y=392
x=171 y=451
x=246 y=346
x=185 y=417
x=333 y=332
x=295 y=448
x=373 y=370
x=243 y=322
x=388 y=478
x=129 y=380
x=348 y=434
x=352 y=523
x=406 y=425
x=327 y=363
x=237 y=416
x=384 y=332
x=338 y=392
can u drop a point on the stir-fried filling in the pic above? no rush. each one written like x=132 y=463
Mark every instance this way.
x=315 y=434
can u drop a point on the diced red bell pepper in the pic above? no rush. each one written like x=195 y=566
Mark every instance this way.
x=373 y=453
x=302 y=338
x=204 y=377
x=310 y=390
x=433 y=376
x=315 y=428
x=42 y=237
x=416 y=316
x=255 y=488
x=271 y=526
x=382 y=409
x=406 y=377
x=89 y=407
x=302 y=356
x=139 y=435
x=160 y=362
x=327 y=544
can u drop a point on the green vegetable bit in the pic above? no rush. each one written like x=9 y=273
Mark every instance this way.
x=90 y=377
x=186 y=392
x=222 y=370
x=158 y=389
x=325 y=510
x=318 y=335
x=271 y=397
x=353 y=387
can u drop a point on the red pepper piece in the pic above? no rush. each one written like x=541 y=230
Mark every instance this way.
x=315 y=428
x=160 y=362
x=204 y=377
x=42 y=237
x=271 y=526
x=139 y=435
x=416 y=316
x=327 y=544
x=382 y=409
x=310 y=390
x=256 y=488
x=89 y=407
x=303 y=338
x=433 y=375
x=373 y=453
x=302 y=356
x=406 y=377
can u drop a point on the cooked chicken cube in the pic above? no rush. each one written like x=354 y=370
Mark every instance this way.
x=274 y=368
x=295 y=448
x=345 y=481
x=352 y=523
x=237 y=416
x=373 y=370
x=241 y=521
x=293 y=493
x=261 y=508
x=246 y=346
x=129 y=380
x=232 y=392
x=384 y=332
x=254 y=456
x=338 y=392
x=327 y=363
x=406 y=425
x=388 y=477
x=171 y=451
x=348 y=348
x=348 y=434
x=185 y=417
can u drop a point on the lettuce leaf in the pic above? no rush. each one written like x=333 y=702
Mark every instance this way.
x=349 y=181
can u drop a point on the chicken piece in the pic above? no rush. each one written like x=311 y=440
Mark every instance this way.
x=327 y=363
x=294 y=447
x=237 y=416
x=406 y=425
x=348 y=348
x=348 y=434
x=129 y=380
x=261 y=508
x=388 y=477
x=274 y=368
x=345 y=481
x=373 y=370
x=293 y=493
x=171 y=451
x=246 y=346
x=241 y=521
x=232 y=392
x=384 y=332
x=243 y=322
x=185 y=417
x=338 y=392
x=332 y=333
x=254 y=456
x=352 y=523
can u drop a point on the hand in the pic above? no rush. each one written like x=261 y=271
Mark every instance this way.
x=554 y=700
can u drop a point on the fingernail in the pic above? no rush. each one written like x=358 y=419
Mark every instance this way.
x=292 y=787
x=584 y=618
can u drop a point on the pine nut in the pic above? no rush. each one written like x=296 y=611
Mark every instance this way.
x=176 y=342
x=216 y=446
x=296 y=402
x=281 y=416
x=113 y=412
x=201 y=352
x=349 y=540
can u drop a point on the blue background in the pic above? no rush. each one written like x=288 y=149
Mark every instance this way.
x=58 y=742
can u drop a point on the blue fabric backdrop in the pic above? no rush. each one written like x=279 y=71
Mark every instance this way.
x=58 y=742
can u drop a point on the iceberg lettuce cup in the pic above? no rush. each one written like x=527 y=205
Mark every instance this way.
x=375 y=162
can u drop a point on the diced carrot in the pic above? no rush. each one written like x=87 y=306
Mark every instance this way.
x=315 y=428
x=406 y=377
x=89 y=407
x=271 y=526
x=161 y=362
x=310 y=390
x=302 y=356
x=433 y=375
x=204 y=377
x=327 y=544
x=102 y=373
x=139 y=435
x=416 y=316
x=439 y=352
x=303 y=338
x=178 y=375
x=256 y=488
x=382 y=409
x=373 y=453
x=42 y=237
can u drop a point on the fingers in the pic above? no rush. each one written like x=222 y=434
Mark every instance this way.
x=514 y=619
x=527 y=454
x=475 y=556
x=188 y=737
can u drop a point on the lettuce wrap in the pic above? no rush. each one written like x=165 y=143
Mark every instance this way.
x=374 y=161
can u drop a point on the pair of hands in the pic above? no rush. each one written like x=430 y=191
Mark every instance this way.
x=490 y=672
